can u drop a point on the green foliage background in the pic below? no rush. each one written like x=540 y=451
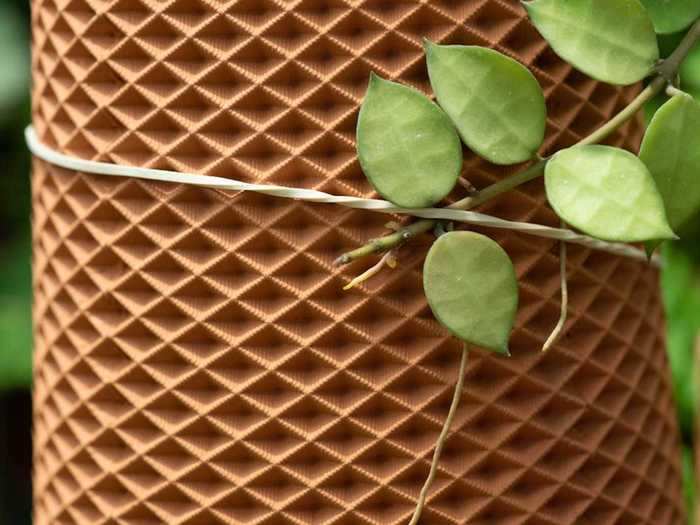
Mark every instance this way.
x=15 y=269
x=681 y=275
x=680 y=281
x=15 y=328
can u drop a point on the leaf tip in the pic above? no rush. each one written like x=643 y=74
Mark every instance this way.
x=668 y=234
x=663 y=233
x=650 y=248
x=375 y=82
x=500 y=348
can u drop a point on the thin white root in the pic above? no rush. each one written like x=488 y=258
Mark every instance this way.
x=672 y=91
x=556 y=333
x=441 y=439
x=389 y=259
x=471 y=189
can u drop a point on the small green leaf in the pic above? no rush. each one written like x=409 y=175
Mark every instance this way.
x=408 y=148
x=670 y=16
x=607 y=193
x=472 y=289
x=671 y=151
x=495 y=102
x=610 y=40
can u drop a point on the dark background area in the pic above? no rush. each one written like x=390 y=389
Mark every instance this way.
x=681 y=278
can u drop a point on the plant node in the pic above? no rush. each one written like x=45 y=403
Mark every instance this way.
x=389 y=260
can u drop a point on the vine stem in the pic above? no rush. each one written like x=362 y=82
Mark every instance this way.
x=668 y=69
x=666 y=73
x=554 y=336
x=420 y=505
x=412 y=230
x=655 y=87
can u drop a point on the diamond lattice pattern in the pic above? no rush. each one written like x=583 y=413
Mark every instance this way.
x=196 y=359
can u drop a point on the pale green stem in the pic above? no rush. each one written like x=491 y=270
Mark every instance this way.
x=602 y=133
x=669 y=68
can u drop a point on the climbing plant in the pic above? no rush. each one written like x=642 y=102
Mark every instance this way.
x=410 y=148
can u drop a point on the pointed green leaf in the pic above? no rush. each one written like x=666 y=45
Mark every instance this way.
x=472 y=289
x=495 y=102
x=408 y=148
x=671 y=151
x=610 y=40
x=607 y=193
x=670 y=16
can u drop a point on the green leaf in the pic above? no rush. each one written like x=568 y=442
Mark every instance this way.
x=408 y=148
x=610 y=40
x=495 y=102
x=472 y=289
x=671 y=151
x=607 y=193
x=670 y=16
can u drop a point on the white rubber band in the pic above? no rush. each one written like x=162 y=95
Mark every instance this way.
x=474 y=218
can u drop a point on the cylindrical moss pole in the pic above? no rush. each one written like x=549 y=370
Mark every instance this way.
x=197 y=361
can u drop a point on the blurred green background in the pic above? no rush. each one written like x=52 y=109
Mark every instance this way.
x=681 y=278
x=15 y=283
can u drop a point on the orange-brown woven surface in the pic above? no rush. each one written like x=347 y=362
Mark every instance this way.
x=196 y=359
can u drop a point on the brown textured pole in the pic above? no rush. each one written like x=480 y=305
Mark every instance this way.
x=196 y=359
